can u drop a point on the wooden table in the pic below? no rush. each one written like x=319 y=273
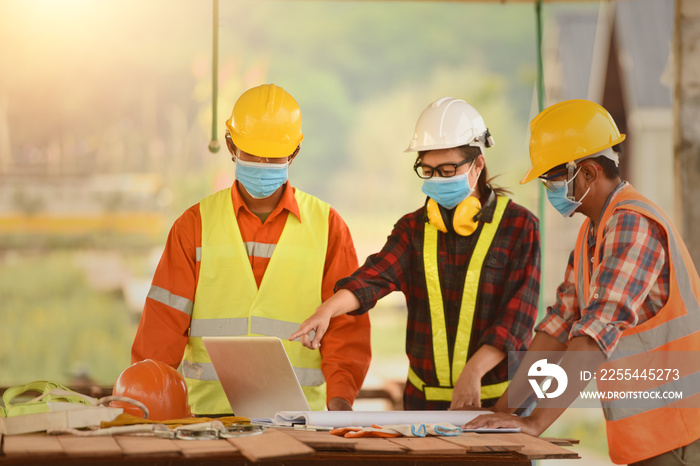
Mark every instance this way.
x=278 y=447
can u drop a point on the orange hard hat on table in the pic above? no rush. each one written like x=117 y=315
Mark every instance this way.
x=155 y=384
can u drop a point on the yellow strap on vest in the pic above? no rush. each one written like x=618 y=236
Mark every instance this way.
x=448 y=377
x=471 y=288
x=445 y=393
x=437 y=313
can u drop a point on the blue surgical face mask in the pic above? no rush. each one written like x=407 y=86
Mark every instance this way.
x=448 y=192
x=557 y=195
x=261 y=179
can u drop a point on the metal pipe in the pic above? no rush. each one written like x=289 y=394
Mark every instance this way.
x=541 y=205
x=214 y=144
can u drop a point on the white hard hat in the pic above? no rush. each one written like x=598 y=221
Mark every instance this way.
x=447 y=123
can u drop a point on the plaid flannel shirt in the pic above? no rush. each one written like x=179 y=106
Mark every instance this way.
x=630 y=285
x=506 y=307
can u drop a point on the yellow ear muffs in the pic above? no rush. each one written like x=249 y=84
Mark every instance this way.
x=435 y=216
x=463 y=222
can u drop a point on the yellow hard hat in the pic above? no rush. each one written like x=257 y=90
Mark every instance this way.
x=266 y=122
x=569 y=131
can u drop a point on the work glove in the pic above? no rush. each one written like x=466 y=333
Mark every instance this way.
x=398 y=430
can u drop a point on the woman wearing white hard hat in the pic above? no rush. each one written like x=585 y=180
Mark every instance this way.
x=468 y=262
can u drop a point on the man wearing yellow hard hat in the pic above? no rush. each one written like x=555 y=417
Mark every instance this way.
x=256 y=259
x=628 y=311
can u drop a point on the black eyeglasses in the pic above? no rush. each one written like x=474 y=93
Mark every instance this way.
x=550 y=175
x=445 y=170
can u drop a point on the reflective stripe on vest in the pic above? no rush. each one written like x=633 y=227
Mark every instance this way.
x=637 y=429
x=228 y=302
x=445 y=393
x=263 y=250
x=205 y=371
x=448 y=377
x=238 y=326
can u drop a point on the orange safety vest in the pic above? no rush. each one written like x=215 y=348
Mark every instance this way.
x=638 y=432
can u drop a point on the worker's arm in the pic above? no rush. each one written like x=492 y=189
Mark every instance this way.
x=382 y=273
x=467 y=391
x=342 y=302
x=582 y=354
x=163 y=330
x=551 y=335
x=346 y=351
x=519 y=389
x=345 y=358
x=514 y=262
x=632 y=265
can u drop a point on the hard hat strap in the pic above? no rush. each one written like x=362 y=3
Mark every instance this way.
x=571 y=172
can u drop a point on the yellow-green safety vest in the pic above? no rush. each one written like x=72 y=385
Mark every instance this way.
x=229 y=303
x=447 y=377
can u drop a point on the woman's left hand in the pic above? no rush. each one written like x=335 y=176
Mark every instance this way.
x=467 y=391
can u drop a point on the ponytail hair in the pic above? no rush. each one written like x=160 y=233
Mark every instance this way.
x=484 y=183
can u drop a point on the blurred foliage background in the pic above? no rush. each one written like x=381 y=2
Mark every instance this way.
x=105 y=119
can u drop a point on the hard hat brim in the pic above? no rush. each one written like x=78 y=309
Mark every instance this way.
x=533 y=172
x=529 y=176
x=430 y=147
x=427 y=148
x=260 y=148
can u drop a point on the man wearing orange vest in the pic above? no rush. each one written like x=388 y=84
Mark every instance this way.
x=256 y=259
x=629 y=300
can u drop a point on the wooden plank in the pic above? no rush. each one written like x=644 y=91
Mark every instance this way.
x=271 y=444
x=562 y=442
x=194 y=448
x=537 y=449
x=428 y=446
x=89 y=446
x=484 y=443
x=134 y=445
x=377 y=446
x=323 y=441
x=31 y=445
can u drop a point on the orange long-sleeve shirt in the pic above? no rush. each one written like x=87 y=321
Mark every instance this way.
x=163 y=331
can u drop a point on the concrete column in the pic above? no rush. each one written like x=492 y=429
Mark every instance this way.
x=687 y=123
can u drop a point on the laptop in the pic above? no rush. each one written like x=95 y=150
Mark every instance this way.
x=256 y=375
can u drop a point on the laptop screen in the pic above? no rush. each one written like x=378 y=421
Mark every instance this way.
x=256 y=375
